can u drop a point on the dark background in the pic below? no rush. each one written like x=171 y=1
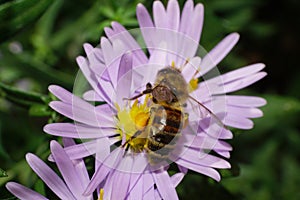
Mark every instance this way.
x=39 y=41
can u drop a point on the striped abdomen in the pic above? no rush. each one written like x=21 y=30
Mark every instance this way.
x=164 y=129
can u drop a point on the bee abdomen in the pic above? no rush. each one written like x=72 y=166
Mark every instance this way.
x=157 y=151
x=160 y=146
x=163 y=133
x=166 y=137
x=156 y=146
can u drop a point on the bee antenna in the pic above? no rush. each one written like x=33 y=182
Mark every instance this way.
x=210 y=112
x=133 y=98
x=146 y=91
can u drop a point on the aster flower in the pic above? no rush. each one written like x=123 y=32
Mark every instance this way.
x=75 y=178
x=119 y=69
x=74 y=173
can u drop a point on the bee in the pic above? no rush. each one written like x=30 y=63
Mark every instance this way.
x=167 y=118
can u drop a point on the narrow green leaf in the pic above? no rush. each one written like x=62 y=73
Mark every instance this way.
x=15 y=15
x=3 y=152
x=39 y=187
x=64 y=35
x=44 y=71
x=41 y=38
x=234 y=171
x=280 y=111
x=230 y=5
x=3 y=173
x=107 y=12
x=20 y=97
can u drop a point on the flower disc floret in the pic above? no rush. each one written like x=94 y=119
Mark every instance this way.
x=133 y=119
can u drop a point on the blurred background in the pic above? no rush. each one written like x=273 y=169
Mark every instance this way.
x=40 y=39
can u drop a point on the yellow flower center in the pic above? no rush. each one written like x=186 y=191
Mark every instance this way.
x=131 y=120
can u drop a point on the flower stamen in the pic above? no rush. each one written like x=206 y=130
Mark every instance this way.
x=101 y=194
x=173 y=64
x=193 y=84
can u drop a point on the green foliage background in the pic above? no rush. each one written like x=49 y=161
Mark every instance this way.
x=40 y=39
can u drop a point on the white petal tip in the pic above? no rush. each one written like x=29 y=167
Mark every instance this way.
x=10 y=185
x=46 y=128
x=103 y=40
x=87 y=46
x=50 y=158
x=56 y=105
x=29 y=157
x=199 y=6
x=263 y=102
x=52 y=88
x=53 y=144
x=140 y=5
x=80 y=60
x=235 y=35
x=107 y=30
x=115 y=23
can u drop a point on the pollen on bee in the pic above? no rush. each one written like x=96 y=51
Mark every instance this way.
x=141 y=120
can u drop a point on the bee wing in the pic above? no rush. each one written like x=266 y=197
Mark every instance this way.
x=200 y=111
x=197 y=111
x=205 y=128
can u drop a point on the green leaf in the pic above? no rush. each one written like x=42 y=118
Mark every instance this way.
x=45 y=72
x=39 y=110
x=3 y=173
x=16 y=15
x=41 y=38
x=234 y=171
x=3 y=152
x=195 y=185
x=61 y=37
x=39 y=187
x=230 y=5
x=20 y=97
x=280 y=111
x=107 y=12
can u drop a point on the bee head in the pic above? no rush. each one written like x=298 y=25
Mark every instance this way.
x=162 y=94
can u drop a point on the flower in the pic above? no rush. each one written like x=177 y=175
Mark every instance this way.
x=74 y=173
x=120 y=69
x=75 y=177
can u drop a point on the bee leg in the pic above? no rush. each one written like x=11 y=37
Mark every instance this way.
x=154 y=100
x=126 y=149
x=136 y=134
x=152 y=109
x=147 y=91
x=186 y=120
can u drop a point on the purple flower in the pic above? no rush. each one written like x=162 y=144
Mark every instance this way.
x=120 y=69
x=74 y=173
